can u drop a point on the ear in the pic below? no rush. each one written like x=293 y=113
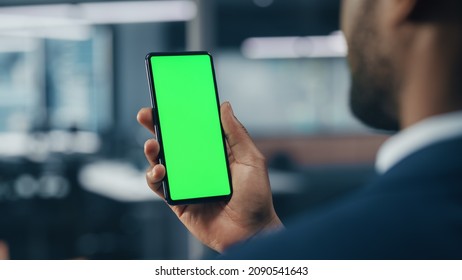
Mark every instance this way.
x=400 y=11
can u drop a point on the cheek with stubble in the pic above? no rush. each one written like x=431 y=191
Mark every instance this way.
x=372 y=90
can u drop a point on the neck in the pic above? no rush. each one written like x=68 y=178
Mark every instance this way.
x=429 y=87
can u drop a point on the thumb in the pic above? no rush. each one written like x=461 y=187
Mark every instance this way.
x=240 y=143
x=4 y=254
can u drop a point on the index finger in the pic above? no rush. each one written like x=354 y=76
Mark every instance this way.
x=144 y=117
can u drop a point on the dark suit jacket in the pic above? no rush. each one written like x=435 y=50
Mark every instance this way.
x=413 y=211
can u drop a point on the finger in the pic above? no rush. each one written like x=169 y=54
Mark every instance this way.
x=144 y=117
x=4 y=251
x=151 y=151
x=240 y=143
x=154 y=177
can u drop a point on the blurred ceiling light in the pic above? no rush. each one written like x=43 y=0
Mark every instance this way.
x=138 y=11
x=263 y=3
x=270 y=47
x=19 y=18
x=44 y=21
x=13 y=19
x=72 y=33
x=333 y=45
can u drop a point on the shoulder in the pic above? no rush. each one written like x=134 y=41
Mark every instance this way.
x=373 y=226
x=412 y=212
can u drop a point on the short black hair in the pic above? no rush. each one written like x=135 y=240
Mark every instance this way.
x=438 y=11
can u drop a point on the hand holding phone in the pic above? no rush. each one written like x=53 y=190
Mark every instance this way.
x=222 y=223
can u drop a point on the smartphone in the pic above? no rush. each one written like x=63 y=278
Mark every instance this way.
x=186 y=115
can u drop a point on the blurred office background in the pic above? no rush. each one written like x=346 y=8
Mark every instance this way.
x=72 y=79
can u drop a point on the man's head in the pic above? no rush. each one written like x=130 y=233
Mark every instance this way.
x=382 y=36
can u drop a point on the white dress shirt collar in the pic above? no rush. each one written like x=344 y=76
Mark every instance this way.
x=417 y=137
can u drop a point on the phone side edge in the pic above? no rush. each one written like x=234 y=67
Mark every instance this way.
x=156 y=124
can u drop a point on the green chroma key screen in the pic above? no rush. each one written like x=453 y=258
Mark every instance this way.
x=188 y=116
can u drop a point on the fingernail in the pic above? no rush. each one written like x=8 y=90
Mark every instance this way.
x=230 y=108
x=145 y=144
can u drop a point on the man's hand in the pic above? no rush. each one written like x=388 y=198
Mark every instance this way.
x=4 y=251
x=250 y=210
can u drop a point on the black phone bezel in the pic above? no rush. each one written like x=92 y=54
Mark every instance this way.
x=158 y=130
